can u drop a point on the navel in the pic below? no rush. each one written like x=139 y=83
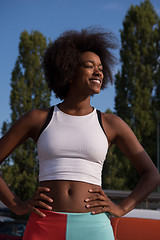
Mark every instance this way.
x=69 y=191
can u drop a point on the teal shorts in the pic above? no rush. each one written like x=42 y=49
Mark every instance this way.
x=69 y=226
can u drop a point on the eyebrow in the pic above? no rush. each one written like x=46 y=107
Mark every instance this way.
x=91 y=62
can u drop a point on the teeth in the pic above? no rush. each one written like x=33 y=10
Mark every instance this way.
x=96 y=80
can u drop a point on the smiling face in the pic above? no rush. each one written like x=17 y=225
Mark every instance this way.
x=89 y=75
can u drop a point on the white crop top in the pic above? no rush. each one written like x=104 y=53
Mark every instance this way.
x=72 y=147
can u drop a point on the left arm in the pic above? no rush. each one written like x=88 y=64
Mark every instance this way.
x=124 y=138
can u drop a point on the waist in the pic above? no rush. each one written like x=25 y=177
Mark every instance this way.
x=69 y=196
x=73 y=169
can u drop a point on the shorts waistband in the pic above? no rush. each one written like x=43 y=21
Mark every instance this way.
x=73 y=213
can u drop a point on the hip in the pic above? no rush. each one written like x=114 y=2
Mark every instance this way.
x=69 y=226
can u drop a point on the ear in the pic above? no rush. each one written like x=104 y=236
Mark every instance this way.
x=70 y=81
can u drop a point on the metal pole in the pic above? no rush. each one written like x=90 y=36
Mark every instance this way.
x=158 y=146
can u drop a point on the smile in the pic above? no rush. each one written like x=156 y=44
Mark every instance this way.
x=96 y=80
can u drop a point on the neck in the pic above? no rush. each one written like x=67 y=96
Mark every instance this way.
x=76 y=106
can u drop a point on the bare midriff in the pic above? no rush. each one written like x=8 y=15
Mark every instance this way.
x=69 y=196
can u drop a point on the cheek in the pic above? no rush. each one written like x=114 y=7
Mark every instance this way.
x=85 y=75
x=88 y=73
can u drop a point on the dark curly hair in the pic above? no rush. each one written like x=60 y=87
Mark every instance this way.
x=63 y=56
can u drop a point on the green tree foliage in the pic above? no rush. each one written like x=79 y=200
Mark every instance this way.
x=4 y=129
x=29 y=90
x=111 y=174
x=138 y=80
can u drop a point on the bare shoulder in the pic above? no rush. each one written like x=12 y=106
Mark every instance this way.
x=117 y=124
x=27 y=126
x=122 y=135
x=112 y=119
x=113 y=126
x=37 y=115
x=109 y=117
x=36 y=118
x=32 y=117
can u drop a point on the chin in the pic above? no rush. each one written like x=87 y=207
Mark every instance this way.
x=95 y=92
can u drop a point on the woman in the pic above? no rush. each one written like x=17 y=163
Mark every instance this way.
x=72 y=141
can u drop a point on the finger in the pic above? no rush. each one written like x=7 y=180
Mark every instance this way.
x=43 y=189
x=97 y=190
x=37 y=203
x=40 y=194
x=41 y=204
x=38 y=212
x=101 y=210
x=95 y=197
x=97 y=204
x=44 y=197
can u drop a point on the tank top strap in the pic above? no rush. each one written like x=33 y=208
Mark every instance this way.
x=48 y=119
x=100 y=119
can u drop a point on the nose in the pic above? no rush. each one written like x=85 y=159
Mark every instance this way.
x=97 y=72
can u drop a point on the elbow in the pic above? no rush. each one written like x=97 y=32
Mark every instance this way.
x=153 y=177
x=156 y=178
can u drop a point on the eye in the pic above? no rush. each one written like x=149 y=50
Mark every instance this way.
x=88 y=65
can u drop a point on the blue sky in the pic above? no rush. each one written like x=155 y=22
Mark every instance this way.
x=51 y=18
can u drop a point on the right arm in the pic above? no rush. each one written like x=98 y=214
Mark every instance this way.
x=27 y=126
